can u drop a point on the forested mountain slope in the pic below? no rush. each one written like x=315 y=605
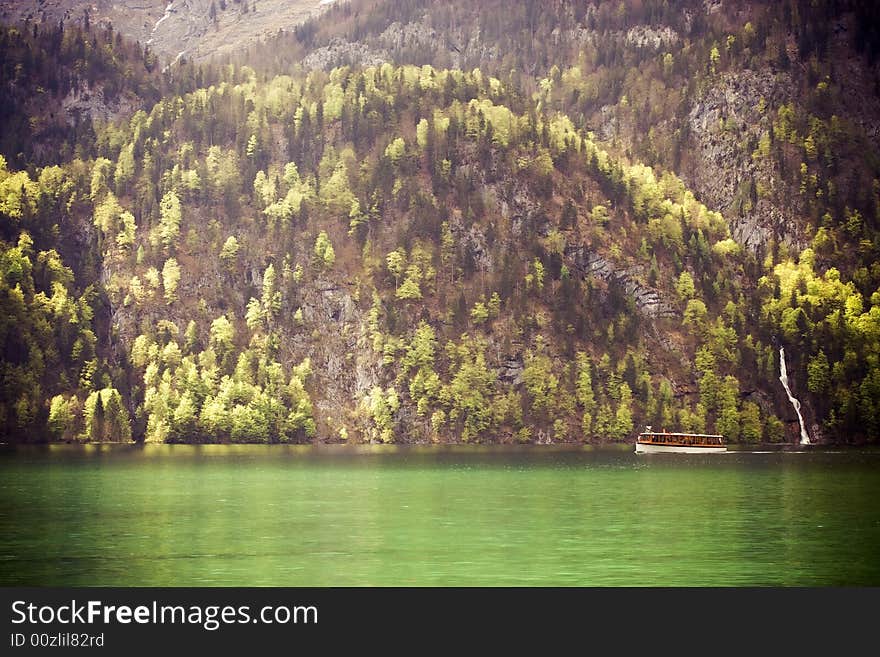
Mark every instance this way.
x=447 y=222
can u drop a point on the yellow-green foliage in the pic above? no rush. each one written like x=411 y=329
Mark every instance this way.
x=325 y=256
x=381 y=406
x=105 y=417
x=451 y=185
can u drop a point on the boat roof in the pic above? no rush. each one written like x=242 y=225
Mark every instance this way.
x=673 y=433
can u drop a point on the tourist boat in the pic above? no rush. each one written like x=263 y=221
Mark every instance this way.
x=661 y=442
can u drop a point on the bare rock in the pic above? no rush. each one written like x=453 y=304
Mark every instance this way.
x=511 y=370
x=172 y=28
x=725 y=124
x=648 y=300
x=341 y=52
x=654 y=38
x=92 y=103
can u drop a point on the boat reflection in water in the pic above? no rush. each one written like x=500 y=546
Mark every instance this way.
x=659 y=442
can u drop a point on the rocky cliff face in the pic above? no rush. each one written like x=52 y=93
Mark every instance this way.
x=195 y=29
x=726 y=122
x=192 y=28
x=648 y=300
x=92 y=103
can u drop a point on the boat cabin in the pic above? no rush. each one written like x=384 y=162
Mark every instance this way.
x=649 y=437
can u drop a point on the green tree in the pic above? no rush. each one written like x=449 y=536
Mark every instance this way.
x=382 y=405
x=665 y=397
x=62 y=417
x=191 y=337
x=695 y=314
x=325 y=256
x=169 y=219
x=774 y=429
x=604 y=423
x=479 y=313
x=422 y=133
x=540 y=381
x=728 y=421
x=170 y=279
x=421 y=350
x=271 y=299
x=395 y=150
x=229 y=252
x=396 y=261
x=470 y=390
x=818 y=373
x=125 y=168
x=584 y=392
x=411 y=289
x=222 y=335
x=750 y=422
x=599 y=215
x=685 y=286
x=623 y=417
x=336 y=191
x=248 y=424
x=714 y=58
x=106 y=417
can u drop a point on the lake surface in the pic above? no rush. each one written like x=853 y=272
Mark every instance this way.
x=305 y=516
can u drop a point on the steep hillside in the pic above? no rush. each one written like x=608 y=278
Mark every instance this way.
x=407 y=252
x=63 y=83
x=696 y=88
x=768 y=112
x=172 y=29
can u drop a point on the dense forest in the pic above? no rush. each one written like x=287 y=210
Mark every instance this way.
x=446 y=221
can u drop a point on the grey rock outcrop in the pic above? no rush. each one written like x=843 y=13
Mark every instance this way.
x=172 y=28
x=725 y=123
x=654 y=38
x=511 y=370
x=341 y=53
x=647 y=299
x=90 y=102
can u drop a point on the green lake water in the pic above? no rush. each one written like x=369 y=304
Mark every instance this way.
x=306 y=516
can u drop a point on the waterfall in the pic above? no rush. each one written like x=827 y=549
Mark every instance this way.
x=783 y=376
x=164 y=16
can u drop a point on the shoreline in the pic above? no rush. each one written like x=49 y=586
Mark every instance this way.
x=431 y=447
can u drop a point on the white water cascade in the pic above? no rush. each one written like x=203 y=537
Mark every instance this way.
x=783 y=376
x=159 y=22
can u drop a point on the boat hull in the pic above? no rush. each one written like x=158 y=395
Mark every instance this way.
x=646 y=448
